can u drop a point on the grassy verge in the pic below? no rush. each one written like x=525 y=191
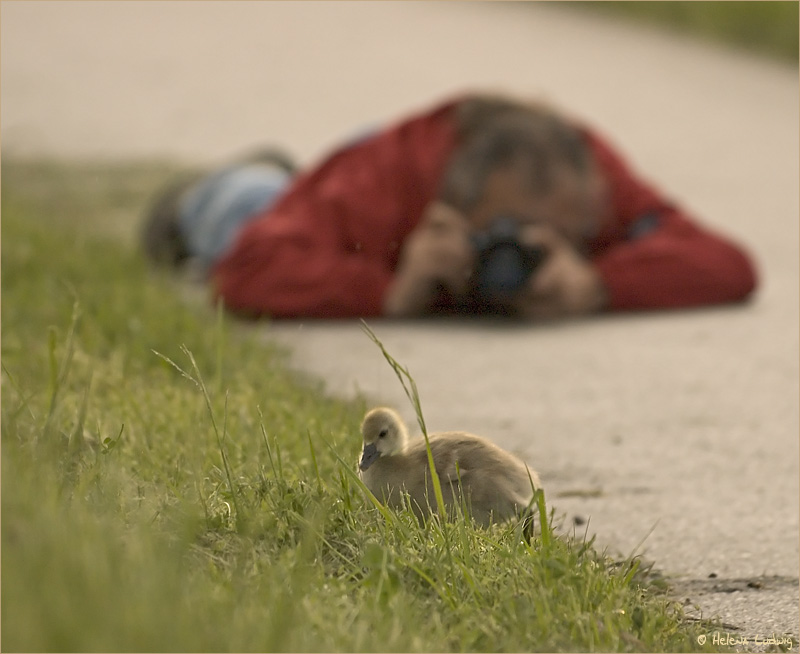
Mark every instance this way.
x=768 y=28
x=168 y=485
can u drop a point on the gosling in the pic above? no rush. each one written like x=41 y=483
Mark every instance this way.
x=495 y=485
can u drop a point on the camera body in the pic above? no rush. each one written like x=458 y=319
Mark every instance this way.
x=504 y=264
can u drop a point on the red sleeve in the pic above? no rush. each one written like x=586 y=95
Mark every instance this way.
x=288 y=268
x=329 y=248
x=652 y=255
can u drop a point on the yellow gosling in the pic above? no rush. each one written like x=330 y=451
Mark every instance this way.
x=494 y=484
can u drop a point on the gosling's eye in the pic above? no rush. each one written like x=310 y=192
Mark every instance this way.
x=383 y=432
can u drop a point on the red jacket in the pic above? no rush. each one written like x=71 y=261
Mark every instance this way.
x=329 y=247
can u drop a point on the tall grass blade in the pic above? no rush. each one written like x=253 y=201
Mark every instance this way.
x=24 y=400
x=76 y=439
x=220 y=342
x=314 y=462
x=543 y=520
x=410 y=388
x=277 y=469
x=632 y=555
x=198 y=381
x=59 y=373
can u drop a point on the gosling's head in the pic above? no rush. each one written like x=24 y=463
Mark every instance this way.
x=384 y=435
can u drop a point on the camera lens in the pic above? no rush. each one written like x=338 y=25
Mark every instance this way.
x=504 y=264
x=501 y=273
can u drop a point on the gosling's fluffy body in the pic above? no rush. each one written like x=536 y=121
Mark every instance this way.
x=495 y=484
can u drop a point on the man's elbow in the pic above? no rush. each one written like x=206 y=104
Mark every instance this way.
x=742 y=279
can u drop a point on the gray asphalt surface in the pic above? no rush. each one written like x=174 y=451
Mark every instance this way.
x=676 y=429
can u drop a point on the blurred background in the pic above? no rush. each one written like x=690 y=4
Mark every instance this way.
x=769 y=28
x=199 y=80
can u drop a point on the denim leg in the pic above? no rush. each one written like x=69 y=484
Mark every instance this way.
x=213 y=211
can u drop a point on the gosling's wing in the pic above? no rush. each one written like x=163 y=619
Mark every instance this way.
x=448 y=449
x=482 y=467
x=459 y=455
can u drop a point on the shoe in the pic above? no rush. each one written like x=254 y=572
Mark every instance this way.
x=161 y=238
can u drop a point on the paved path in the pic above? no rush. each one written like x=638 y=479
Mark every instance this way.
x=681 y=428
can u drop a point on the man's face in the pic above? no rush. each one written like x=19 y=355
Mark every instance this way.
x=574 y=206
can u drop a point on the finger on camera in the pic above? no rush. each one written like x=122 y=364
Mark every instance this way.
x=545 y=282
x=442 y=217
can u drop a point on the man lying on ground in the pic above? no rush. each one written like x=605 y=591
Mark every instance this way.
x=481 y=205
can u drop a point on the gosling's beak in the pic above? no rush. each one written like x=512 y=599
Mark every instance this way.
x=369 y=456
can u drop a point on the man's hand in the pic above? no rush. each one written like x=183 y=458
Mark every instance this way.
x=565 y=284
x=436 y=256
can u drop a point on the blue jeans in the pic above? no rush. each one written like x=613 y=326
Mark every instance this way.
x=213 y=211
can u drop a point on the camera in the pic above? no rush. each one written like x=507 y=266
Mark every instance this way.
x=504 y=264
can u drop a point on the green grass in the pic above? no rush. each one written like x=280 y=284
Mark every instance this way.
x=168 y=485
x=769 y=28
